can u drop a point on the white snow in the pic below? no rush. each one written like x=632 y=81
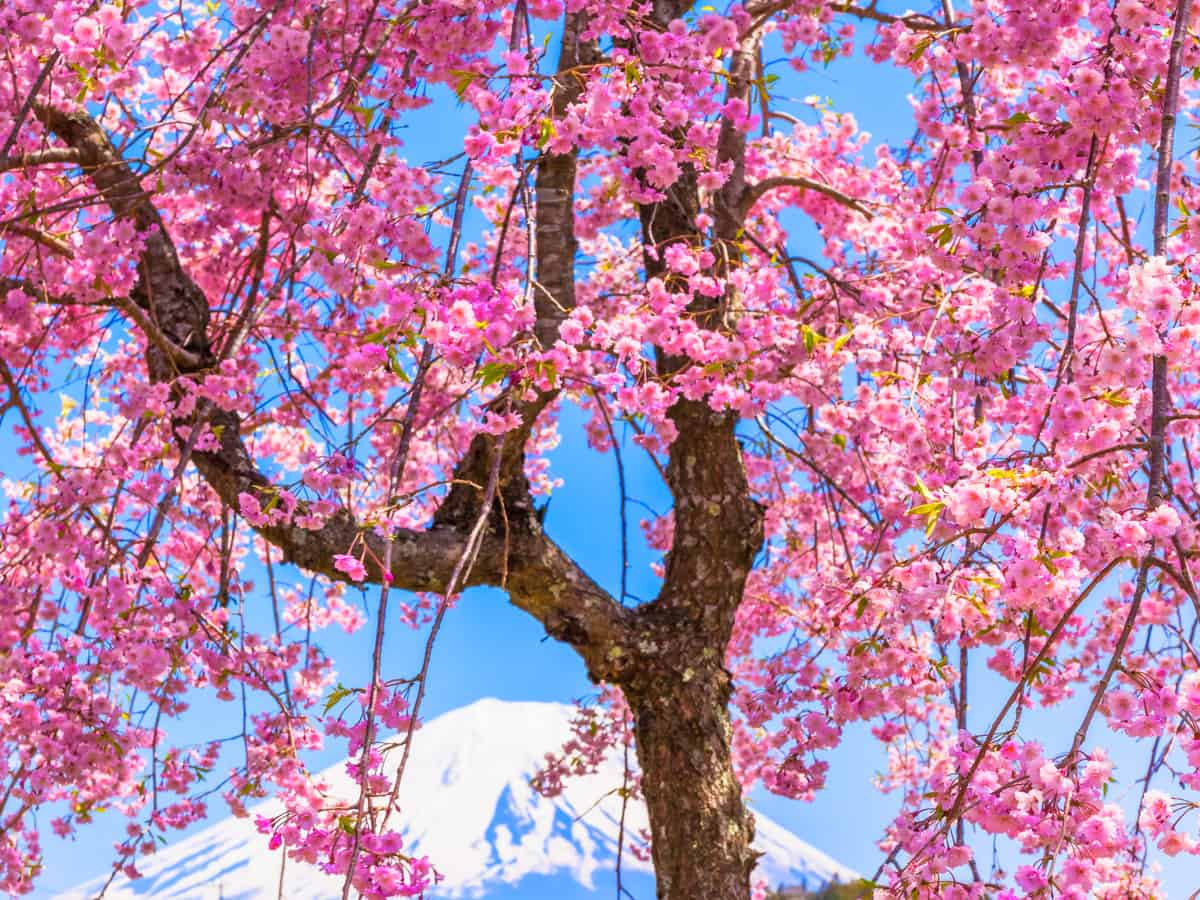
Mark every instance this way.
x=468 y=805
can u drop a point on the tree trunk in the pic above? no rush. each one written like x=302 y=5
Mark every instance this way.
x=700 y=828
x=678 y=687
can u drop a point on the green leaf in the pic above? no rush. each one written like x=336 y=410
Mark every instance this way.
x=932 y=511
x=931 y=523
x=339 y=693
x=384 y=264
x=863 y=647
x=493 y=372
x=380 y=336
x=921 y=489
x=395 y=366
x=1036 y=629
x=463 y=79
x=812 y=339
x=1116 y=397
x=367 y=113
x=920 y=48
x=942 y=234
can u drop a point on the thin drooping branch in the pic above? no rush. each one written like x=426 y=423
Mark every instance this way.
x=1085 y=205
x=1160 y=400
x=47 y=67
x=1114 y=661
x=817 y=470
x=959 y=805
x=1159 y=394
x=395 y=480
x=14 y=392
x=457 y=577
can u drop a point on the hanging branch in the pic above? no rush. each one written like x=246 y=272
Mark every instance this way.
x=1160 y=397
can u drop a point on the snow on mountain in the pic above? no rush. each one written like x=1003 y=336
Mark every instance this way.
x=468 y=805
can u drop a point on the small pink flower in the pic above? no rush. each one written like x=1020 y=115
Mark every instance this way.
x=1163 y=522
x=478 y=144
x=1176 y=842
x=1023 y=179
x=1030 y=879
x=87 y=31
x=1122 y=705
x=251 y=509
x=354 y=568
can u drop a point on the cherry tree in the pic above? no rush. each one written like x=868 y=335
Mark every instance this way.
x=255 y=355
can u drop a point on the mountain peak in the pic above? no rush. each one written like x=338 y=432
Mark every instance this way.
x=468 y=804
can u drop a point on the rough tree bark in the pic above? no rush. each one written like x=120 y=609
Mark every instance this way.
x=666 y=655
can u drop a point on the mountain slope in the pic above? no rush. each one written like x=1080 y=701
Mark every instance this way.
x=469 y=806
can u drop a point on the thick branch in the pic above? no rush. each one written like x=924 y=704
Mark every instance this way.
x=554 y=294
x=756 y=191
x=718 y=526
x=57 y=155
x=915 y=21
x=731 y=141
x=679 y=690
x=174 y=303
x=55 y=245
x=37 y=292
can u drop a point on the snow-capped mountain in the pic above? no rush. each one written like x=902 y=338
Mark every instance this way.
x=472 y=811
